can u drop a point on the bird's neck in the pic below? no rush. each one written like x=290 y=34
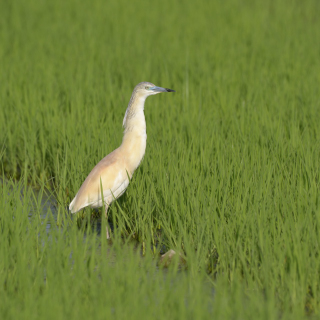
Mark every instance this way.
x=135 y=136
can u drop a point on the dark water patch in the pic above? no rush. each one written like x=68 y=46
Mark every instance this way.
x=46 y=203
x=39 y=202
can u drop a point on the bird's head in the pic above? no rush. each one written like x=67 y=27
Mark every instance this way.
x=147 y=89
x=139 y=95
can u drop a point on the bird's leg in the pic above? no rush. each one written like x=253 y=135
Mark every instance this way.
x=106 y=214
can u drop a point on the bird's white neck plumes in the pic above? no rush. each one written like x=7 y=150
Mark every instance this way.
x=135 y=136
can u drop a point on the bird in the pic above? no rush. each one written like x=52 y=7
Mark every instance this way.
x=114 y=172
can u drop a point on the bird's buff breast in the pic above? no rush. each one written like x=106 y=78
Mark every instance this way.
x=134 y=150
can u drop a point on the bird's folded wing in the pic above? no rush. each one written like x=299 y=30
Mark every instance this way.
x=113 y=178
x=90 y=193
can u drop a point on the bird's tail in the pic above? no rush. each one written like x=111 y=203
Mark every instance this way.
x=71 y=205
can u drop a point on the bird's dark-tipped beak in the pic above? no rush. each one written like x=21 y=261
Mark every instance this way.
x=159 y=89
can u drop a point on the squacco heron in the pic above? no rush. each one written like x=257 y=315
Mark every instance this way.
x=114 y=171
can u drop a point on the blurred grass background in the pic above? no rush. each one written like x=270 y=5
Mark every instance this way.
x=231 y=173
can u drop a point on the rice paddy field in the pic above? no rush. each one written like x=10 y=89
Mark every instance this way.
x=230 y=179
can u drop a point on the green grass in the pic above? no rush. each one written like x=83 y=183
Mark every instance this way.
x=230 y=178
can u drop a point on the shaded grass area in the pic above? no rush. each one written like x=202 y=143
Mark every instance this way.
x=231 y=173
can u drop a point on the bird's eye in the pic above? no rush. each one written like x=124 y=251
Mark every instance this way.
x=147 y=88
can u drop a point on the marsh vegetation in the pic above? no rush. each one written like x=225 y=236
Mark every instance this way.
x=230 y=178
